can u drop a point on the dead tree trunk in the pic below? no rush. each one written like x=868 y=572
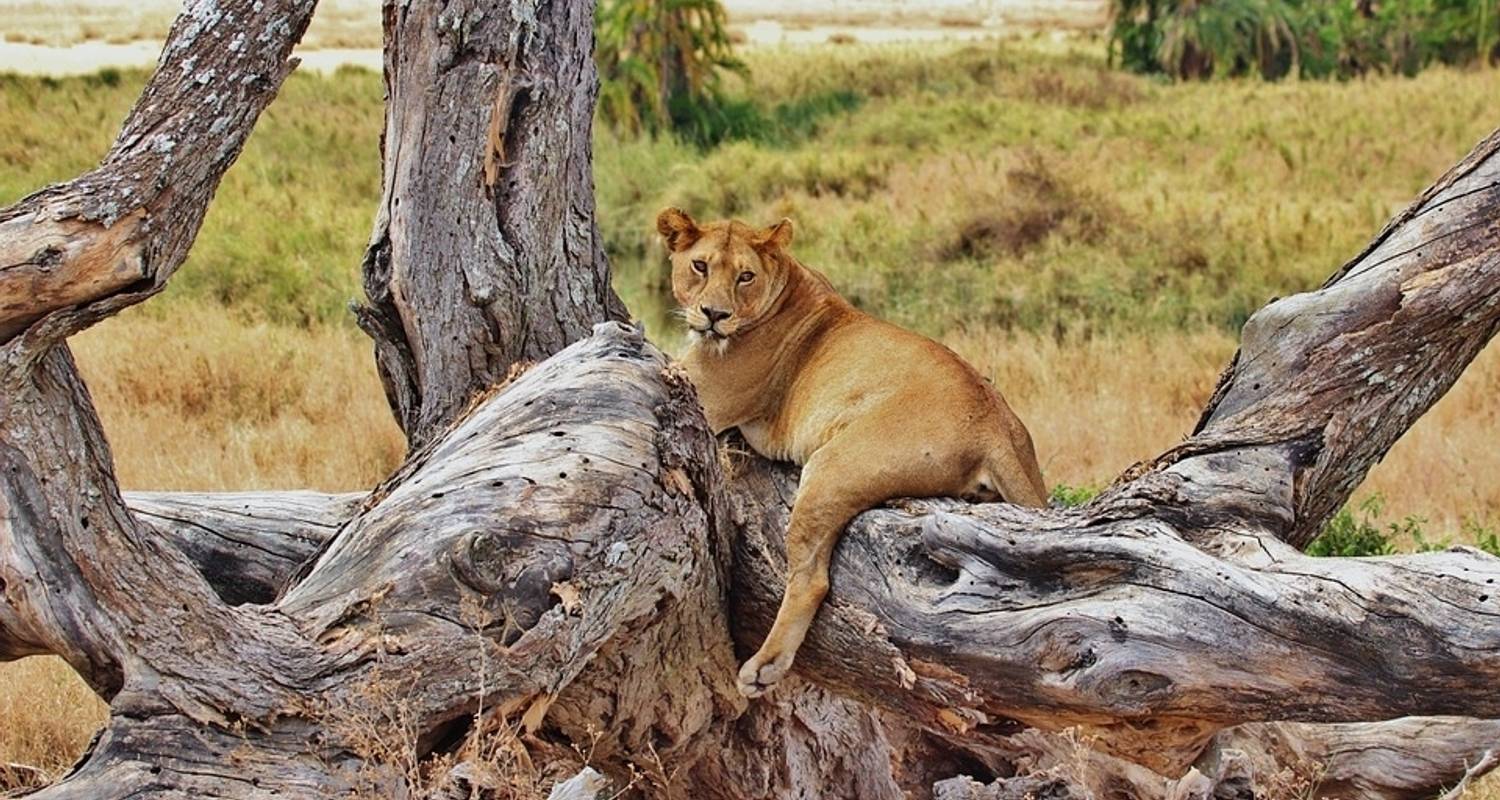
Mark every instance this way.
x=566 y=552
x=485 y=250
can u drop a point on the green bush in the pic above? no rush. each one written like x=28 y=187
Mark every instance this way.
x=1188 y=39
x=1348 y=535
x=1073 y=496
x=1361 y=533
x=661 y=64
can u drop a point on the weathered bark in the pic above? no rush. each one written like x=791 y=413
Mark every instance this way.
x=1397 y=760
x=485 y=251
x=967 y=617
x=119 y=231
x=566 y=552
x=247 y=545
x=1403 y=759
x=603 y=558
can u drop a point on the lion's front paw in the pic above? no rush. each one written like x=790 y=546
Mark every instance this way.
x=760 y=673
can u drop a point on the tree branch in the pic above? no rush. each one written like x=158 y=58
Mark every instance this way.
x=247 y=545
x=80 y=251
x=1326 y=381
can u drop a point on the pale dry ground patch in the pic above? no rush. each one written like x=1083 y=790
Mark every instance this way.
x=337 y=23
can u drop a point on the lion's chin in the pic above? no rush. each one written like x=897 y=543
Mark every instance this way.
x=711 y=339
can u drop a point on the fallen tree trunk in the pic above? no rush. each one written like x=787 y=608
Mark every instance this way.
x=565 y=560
x=1404 y=758
x=968 y=617
x=247 y=545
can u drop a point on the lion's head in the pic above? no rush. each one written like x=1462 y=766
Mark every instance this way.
x=726 y=276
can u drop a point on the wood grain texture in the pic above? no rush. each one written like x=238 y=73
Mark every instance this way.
x=247 y=545
x=485 y=250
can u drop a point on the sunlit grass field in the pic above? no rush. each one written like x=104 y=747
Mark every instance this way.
x=1090 y=240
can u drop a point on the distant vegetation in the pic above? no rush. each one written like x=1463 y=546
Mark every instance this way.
x=1009 y=186
x=663 y=69
x=1305 y=38
x=661 y=65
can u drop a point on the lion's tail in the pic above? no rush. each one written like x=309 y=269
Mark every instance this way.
x=1011 y=466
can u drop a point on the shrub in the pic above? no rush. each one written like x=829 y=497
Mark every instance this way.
x=1348 y=535
x=1361 y=534
x=661 y=64
x=1067 y=496
x=1188 y=39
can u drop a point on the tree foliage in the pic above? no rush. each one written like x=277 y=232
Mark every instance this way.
x=661 y=65
x=1188 y=39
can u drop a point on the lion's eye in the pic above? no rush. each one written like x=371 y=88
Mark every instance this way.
x=746 y=277
x=700 y=267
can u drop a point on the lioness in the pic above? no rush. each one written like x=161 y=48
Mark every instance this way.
x=872 y=412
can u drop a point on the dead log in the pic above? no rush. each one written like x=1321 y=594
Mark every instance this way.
x=247 y=545
x=425 y=580
x=567 y=553
x=256 y=539
x=1403 y=759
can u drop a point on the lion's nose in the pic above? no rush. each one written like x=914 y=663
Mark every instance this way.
x=714 y=315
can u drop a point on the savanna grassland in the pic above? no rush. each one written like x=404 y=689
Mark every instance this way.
x=1091 y=240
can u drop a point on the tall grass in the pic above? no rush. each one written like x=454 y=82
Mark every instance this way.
x=197 y=400
x=998 y=185
x=1011 y=187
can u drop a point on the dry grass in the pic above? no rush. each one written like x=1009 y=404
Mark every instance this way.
x=1096 y=407
x=1487 y=788
x=47 y=715
x=198 y=400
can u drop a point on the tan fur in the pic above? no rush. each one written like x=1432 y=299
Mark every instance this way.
x=872 y=412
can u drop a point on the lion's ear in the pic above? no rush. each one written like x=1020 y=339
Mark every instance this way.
x=778 y=236
x=677 y=228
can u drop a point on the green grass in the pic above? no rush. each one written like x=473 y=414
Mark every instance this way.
x=285 y=234
x=1017 y=185
x=969 y=191
x=1010 y=186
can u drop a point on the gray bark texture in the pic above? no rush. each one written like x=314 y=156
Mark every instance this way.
x=568 y=566
x=485 y=251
